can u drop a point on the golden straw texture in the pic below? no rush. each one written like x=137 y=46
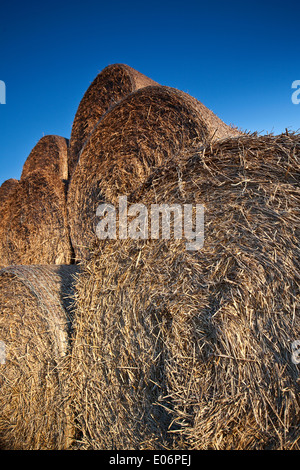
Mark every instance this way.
x=145 y=130
x=34 y=227
x=192 y=349
x=110 y=86
x=35 y=322
x=50 y=155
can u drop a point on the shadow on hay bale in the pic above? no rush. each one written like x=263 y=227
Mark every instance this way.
x=34 y=227
x=51 y=155
x=196 y=345
x=140 y=133
x=35 y=306
x=111 y=85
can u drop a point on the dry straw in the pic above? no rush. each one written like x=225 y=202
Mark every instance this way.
x=110 y=86
x=35 y=306
x=140 y=133
x=6 y=189
x=196 y=345
x=34 y=227
x=51 y=155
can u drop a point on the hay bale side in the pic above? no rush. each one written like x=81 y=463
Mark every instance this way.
x=222 y=319
x=35 y=305
x=49 y=155
x=34 y=227
x=117 y=364
x=148 y=128
x=111 y=85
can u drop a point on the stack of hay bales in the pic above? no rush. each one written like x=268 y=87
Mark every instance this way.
x=150 y=345
x=35 y=302
x=36 y=285
x=192 y=349
x=146 y=129
x=34 y=226
x=110 y=86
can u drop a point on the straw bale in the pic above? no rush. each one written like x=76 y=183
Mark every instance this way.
x=6 y=189
x=49 y=155
x=144 y=130
x=206 y=336
x=35 y=322
x=34 y=227
x=110 y=86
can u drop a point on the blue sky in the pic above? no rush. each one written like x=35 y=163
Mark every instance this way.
x=238 y=58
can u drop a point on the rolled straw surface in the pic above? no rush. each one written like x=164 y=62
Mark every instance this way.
x=50 y=155
x=35 y=319
x=111 y=85
x=146 y=129
x=6 y=189
x=34 y=227
x=198 y=345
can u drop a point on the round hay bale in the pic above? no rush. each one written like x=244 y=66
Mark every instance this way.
x=205 y=335
x=35 y=306
x=6 y=189
x=144 y=130
x=49 y=155
x=34 y=227
x=108 y=88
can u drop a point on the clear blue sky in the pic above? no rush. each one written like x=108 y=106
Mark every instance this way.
x=238 y=58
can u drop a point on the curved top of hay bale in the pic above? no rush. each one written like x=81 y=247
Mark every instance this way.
x=34 y=226
x=226 y=314
x=269 y=158
x=111 y=85
x=6 y=188
x=49 y=155
x=139 y=134
x=36 y=312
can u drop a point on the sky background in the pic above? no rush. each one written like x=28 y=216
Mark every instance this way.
x=237 y=58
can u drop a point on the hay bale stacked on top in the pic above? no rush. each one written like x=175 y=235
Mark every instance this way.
x=197 y=344
x=50 y=154
x=111 y=85
x=34 y=228
x=140 y=133
x=6 y=189
x=35 y=306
